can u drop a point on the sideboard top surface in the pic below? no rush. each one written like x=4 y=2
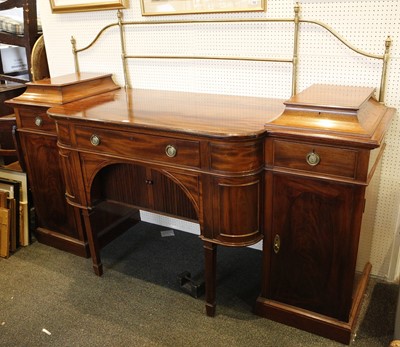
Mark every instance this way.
x=195 y=113
x=337 y=113
x=340 y=113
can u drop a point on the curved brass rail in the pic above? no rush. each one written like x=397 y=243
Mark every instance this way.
x=96 y=38
x=341 y=39
x=205 y=21
x=294 y=61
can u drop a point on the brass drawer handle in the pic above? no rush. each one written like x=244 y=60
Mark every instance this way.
x=170 y=151
x=94 y=140
x=277 y=243
x=313 y=158
x=38 y=121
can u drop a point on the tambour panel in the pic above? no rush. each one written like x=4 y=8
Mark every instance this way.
x=236 y=209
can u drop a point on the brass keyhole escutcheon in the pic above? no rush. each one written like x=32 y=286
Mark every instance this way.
x=277 y=243
x=313 y=158
x=38 y=121
x=94 y=140
x=170 y=151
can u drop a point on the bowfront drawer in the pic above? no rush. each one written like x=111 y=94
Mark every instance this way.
x=139 y=146
x=236 y=157
x=36 y=119
x=315 y=158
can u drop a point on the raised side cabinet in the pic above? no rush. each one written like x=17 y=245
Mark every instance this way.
x=316 y=180
x=58 y=224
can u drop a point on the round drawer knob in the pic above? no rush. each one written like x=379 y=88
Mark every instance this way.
x=170 y=151
x=94 y=140
x=313 y=159
x=38 y=121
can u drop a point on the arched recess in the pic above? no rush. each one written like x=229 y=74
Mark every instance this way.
x=146 y=188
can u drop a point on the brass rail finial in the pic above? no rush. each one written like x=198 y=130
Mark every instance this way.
x=75 y=53
x=386 y=55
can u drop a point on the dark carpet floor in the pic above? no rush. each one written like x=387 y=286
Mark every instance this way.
x=139 y=302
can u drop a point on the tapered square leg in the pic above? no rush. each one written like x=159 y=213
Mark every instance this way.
x=210 y=256
x=93 y=243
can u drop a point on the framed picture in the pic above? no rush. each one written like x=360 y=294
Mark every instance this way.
x=59 y=6
x=169 y=7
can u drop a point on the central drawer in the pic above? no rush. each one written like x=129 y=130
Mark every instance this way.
x=139 y=146
x=315 y=158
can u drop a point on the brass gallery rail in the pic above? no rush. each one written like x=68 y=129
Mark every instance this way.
x=296 y=20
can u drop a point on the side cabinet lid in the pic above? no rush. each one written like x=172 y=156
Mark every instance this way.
x=331 y=98
x=334 y=113
x=64 y=89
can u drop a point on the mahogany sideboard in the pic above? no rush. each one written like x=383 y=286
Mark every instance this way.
x=293 y=173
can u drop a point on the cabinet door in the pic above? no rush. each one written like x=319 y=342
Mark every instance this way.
x=47 y=185
x=313 y=243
